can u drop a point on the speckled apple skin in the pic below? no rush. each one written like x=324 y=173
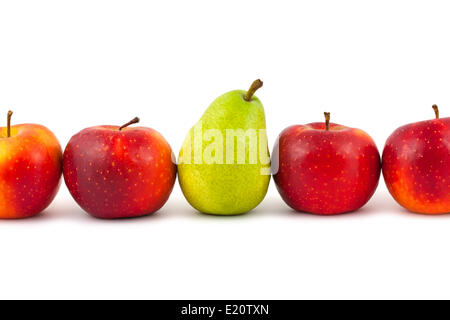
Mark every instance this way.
x=325 y=172
x=416 y=166
x=119 y=174
x=30 y=170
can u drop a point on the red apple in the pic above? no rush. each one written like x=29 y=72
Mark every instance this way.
x=30 y=169
x=416 y=165
x=325 y=168
x=119 y=172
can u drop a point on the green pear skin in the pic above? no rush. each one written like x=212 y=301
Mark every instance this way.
x=226 y=188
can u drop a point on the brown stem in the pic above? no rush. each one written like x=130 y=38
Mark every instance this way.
x=251 y=91
x=134 y=120
x=436 y=110
x=327 y=120
x=8 y=126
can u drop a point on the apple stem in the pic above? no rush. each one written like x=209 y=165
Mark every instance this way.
x=8 y=126
x=251 y=91
x=327 y=120
x=436 y=110
x=134 y=120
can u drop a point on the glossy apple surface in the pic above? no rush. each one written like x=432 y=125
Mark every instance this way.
x=119 y=174
x=416 y=166
x=30 y=170
x=325 y=171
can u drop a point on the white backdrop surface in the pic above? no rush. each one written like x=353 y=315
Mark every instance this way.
x=374 y=65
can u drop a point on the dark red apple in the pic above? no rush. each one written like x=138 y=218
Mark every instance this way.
x=119 y=172
x=416 y=165
x=325 y=168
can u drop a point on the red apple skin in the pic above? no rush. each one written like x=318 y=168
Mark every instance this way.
x=416 y=166
x=119 y=174
x=325 y=172
x=30 y=170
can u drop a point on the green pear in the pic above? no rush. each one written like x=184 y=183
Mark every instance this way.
x=224 y=163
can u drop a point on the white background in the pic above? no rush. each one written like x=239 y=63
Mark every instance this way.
x=374 y=65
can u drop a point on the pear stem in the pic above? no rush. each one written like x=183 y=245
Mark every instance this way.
x=251 y=91
x=327 y=120
x=132 y=121
x=8 y=125
x=436 y=110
